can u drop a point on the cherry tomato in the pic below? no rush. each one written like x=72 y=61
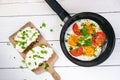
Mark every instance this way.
x=77 y=52
x=76 y=29
x=99 y=38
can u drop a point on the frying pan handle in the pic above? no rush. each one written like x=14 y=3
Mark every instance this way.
x=54 y=74
x=64 y=16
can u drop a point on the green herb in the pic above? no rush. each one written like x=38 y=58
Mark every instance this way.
x=37 y=56
x=41 y=64
x=68 y=34
x=51 y=30
x=32 y=51
x=29 y=63
x=34 y=34
x=23 y=61
x=23 y=38
x=61 y=25
x=46 y=67
x=66 y=40
x=42 y=46
x=35 y=63
x=43 y=51
x=29 y=56
x=70 y=48
x=21 y=67
x=78 y=44
x=23 y=47
x=88 y=42
x=32 y=70
x=8 y=43
x=83 y=31
x=84 y=37
x=94 y=55
x=43 y=25
x=92 y=24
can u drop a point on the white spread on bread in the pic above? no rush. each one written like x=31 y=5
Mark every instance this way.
x=25 y=37
x=37 y=56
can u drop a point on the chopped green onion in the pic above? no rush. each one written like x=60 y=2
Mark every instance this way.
x=29 y=63
x=51 y=30
x=66 y=40
x=23 y=61
x=43 y=51
x=42 y=46
x=61 y=25
x=41 y=64
x=92 y=24
x=46 y=66
x=32 y=51
x=32 y=70
x=68 y=34
x=21 y=67
x=94 y=55
x=70 y=48
x=37 y=56
x=88 y=42
x=43 y=25
x=83 y=31
x=35 y=63
x=23 y=47
x=78 y=44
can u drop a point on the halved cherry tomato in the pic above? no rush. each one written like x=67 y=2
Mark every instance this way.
x=77 y=52
x=99 y=38
x=76 y=29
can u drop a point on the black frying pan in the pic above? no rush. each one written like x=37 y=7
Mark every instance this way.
x=102 y=22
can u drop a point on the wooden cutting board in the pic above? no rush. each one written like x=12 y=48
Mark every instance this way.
x=39 y=41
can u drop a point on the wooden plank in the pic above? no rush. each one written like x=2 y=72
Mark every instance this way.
x=75 y=6
x=66 y=73
x=10 y=58
x=11 y=24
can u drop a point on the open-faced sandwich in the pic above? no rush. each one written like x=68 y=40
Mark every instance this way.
x=37 y=56
x=37 y=53
x=25 y=37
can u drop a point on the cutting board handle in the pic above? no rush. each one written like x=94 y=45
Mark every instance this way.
x=54 y=74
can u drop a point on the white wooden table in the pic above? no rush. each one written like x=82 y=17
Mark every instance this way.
x=15 y=13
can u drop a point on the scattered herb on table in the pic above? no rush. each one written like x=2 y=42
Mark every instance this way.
x=61 y=25
x=43 y=25
x=51 y=30
x=23 y=61
x=21 y=67
x=32 y=70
